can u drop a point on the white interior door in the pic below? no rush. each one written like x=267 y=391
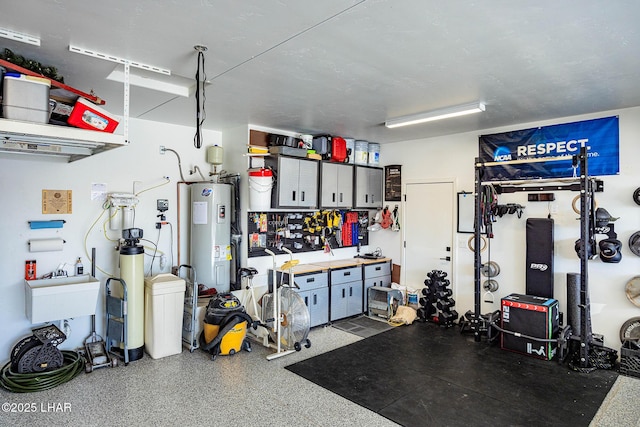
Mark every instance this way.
x=428 y=231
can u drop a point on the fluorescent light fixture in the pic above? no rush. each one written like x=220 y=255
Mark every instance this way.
x=112 y=58
x=175 y=85
x=24 y=38
x=429 y=116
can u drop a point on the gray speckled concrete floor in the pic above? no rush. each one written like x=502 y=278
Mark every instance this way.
x=245 y=389
x=621 y=406
x=190 y=389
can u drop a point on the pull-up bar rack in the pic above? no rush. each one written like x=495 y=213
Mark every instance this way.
x=481 y=324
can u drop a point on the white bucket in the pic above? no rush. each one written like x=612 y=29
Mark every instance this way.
x=260 y=185
x=374 y=154
x=361 y=153
x=350 y=149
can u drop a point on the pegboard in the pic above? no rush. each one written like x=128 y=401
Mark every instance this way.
x=305 y=231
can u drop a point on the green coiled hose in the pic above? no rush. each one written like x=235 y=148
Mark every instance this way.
x=72 y=365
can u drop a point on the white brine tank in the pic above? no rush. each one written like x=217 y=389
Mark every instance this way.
x=210 y=249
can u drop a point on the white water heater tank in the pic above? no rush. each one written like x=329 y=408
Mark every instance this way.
x=210 y=248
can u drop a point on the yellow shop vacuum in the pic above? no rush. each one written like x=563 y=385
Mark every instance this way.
x=225 y=326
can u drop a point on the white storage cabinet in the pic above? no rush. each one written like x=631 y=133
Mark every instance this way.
x=368 y=187
x=296 y=182
x=336 y=185
x=314 y=290
x=346 y=292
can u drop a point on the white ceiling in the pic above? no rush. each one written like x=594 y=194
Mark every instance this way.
x=345 y=66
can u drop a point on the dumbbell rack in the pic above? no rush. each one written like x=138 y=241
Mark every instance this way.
x=436 y=304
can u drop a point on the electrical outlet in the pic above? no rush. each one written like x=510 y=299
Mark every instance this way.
x=162 y=149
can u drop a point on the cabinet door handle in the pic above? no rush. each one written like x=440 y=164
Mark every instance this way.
x=333 y=197
x=340 y=197
x=303 y=196
x=343 y=294
x=293 y=195
x=372 y=199
x=347 y=273
x=312 y=279
x=366 y=198
x=315 y=299
x=378 y=268
x=306 y=301
x=350 y=291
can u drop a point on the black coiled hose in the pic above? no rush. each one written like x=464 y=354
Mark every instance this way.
x=72 y=365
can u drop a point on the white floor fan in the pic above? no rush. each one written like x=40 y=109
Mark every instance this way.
x=284 y=313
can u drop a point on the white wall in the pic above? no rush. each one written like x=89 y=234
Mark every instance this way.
x=453 y=156
x=141 y=165
x=133 y=168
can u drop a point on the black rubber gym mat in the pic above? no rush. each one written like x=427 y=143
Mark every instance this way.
x=424 y=375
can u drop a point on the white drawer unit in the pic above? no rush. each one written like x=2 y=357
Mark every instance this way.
x=346 y=292
x=344 y=275
x=314 y=290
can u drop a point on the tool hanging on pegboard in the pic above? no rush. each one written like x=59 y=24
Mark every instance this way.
x=395 y=218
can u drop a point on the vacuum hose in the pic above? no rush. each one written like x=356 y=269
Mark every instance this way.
x=39 y=381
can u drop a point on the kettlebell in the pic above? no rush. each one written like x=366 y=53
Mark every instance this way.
x=610 y=250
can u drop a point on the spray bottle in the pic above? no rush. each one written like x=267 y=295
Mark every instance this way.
x=79 y=267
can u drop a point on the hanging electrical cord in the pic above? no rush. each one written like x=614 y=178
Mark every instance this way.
x=201 y=114
x=166 y=181
x=40 y=381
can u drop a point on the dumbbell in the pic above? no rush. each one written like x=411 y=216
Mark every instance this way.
x=445 y=318
x=445 y=304
x=444 y=293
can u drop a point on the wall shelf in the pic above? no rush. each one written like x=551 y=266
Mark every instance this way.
x=17 y=137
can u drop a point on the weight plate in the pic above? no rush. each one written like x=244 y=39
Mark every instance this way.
x=490 y=285
x=490 y=269
x=632 y=289
x=630 y=331
x=634 y=243
x=636 y=196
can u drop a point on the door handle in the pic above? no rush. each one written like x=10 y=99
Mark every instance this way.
x=447 y=258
